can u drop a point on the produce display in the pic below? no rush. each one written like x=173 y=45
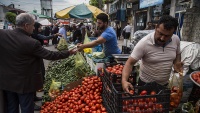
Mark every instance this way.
x=115 y=69
x=195 y=77
x=61 y=71
x=85 y=98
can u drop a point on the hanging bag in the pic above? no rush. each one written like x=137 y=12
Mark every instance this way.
x=176 y=86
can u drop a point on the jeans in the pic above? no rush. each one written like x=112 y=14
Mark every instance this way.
x=25 y=100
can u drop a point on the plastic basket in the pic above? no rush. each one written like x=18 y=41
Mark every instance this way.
x=116 y=78
x=116 y=101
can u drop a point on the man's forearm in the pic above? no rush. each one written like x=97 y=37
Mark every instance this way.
x=90 y=44
x=126 y=72
x=178 y=59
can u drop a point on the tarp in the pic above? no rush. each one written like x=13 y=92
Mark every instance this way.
x=81 y=11
x=45 y=22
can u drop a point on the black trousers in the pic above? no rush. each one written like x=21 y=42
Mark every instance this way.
x=127 y=35
x=25 y=101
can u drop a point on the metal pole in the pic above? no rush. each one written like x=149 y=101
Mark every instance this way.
x=100 y=4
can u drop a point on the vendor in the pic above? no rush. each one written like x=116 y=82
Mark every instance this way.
x=108 y=38
x=158 y=51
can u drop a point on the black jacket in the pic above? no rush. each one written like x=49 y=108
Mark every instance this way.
x=20 y=70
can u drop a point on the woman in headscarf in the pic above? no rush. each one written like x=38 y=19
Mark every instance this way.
x=36 y=35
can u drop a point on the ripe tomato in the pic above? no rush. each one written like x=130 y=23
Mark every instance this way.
x=153 y=93
x=144 y=92
x=131 y=92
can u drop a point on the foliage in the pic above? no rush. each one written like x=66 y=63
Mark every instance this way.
x=96 y=3
x=11 y=17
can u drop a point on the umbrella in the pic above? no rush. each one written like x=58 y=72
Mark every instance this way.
x=81 y=11
x=45 y=22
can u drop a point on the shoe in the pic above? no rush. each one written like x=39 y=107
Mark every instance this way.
x=37 y=98
x=37 y=108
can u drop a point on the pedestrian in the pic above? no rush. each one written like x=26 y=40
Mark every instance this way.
x=159 y=52
x=77 y=36
x=20 y=66
x=36 y=35
x=127 y=30
x=55 y=30
x=108 y=38
x=63 y=32
x=150 y=26
x=118 y=31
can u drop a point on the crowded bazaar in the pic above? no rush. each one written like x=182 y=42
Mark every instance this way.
x=100 y=56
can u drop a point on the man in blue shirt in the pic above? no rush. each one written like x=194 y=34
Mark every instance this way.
x=63 y=31
x=108 y=38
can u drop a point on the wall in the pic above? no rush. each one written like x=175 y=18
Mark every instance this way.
x=191 y=25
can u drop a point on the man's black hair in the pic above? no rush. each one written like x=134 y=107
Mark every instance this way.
x=103 y=17
x=169 y=22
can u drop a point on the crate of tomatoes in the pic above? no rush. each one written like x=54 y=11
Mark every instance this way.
x=151 y=98
x=113 y=72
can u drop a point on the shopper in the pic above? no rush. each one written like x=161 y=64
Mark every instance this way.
x=20 y=66
x=108 y=38
x=159 y=52
x=55 y=30
x=127 y=30
x=36 y=35
x=118 y=31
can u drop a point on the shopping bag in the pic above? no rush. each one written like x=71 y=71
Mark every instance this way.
x=62 y=45
x=54 y=90
x=87 y=40
x=80 y=65
x=176 y=86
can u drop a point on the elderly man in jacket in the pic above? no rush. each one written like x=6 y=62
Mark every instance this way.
x=20 y=72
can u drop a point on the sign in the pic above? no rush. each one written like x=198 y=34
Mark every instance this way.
x=1 y=25
x=148 y=3
x=129 y=5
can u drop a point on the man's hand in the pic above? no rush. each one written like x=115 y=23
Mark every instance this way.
x=178 y=67
x=126 y=86
x=73 y=51
x=57 y=34
x=80 y=47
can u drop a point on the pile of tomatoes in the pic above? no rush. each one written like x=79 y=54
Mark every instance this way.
x=142 y=105
x=175 y=97
x=115 y=69
x=85 y=98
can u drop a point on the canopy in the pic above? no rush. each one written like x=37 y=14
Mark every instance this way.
x=39 y=15
x=81 y=11
x=45 y=22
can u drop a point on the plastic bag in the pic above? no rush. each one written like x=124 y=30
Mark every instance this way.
x=98 y=55
x=54 y=89
x=80 y=65
x=62 y=45
x=176 y=86
x=87 y=40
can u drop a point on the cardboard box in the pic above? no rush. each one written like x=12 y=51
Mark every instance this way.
x=72 y=85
